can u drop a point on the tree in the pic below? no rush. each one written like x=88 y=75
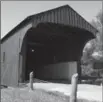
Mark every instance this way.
x=93 y=50
x=98 y=24
x=100 y=17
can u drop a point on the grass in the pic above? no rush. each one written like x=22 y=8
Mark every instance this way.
x=38 y=95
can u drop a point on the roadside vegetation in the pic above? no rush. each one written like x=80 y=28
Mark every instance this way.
x=92 y=58
x=38 y=95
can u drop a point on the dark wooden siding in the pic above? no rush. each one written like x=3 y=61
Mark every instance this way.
x=64 y=15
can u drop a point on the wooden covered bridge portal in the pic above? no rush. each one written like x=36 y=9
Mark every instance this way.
x=53 y=51
x=49 y=43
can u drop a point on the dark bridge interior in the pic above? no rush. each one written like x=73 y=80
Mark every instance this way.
x=51 y=43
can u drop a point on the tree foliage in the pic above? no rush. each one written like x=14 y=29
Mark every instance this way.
x=98 y=23
x=93 y=50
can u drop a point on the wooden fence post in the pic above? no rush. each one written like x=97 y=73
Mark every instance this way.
x=31 y=81
x=74 y=82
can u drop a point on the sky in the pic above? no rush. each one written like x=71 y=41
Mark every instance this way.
x=13 y=12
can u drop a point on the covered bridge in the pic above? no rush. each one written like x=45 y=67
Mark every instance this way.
x=49 y=43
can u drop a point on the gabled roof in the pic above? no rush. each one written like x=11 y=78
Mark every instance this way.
x=63 y=15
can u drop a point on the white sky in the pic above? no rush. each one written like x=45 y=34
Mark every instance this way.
x=13 y=12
